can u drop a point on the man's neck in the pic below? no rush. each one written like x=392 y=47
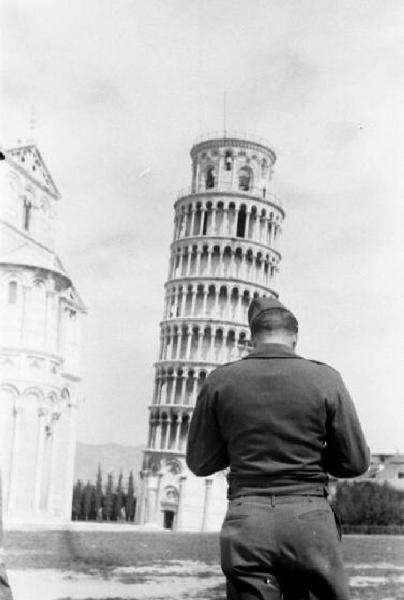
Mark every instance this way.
x=274 y=339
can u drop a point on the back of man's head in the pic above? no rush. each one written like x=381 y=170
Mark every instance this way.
x=271 y=321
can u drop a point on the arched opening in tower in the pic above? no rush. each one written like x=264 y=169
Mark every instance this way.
x=234 y=303
x=174 y=343
x=163 y=388
x=258 y=266
x=180 y=307
x=218 y=344
x=199 y=299
x=211 y=299
x=226 y=261
x=188 y=220
x=178 y=387
x=241 y=221
x=222 y=300
x=245 y=304
x=194 y=343
x=175 y=424
x=184 y=342
x=193 y=260
x=230 y=345
x=238 y=257
x=245 y=179
x=228 y=160
x=231 y=217
x=153 y=430
x=163 y=430
x=197 y=219
x=201 y=380
x=253 y=222
x=242 y=342
x=204 y=260
x=189 y=387
x=210 y=178
x=166 y=390
x=205 y=223
x=249 y=261
x=206 y=343
x=207 y=219
x=216 y=260
x=184 y=431
x=188 y=301
x=219 y=217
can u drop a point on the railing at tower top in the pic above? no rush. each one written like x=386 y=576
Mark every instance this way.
x=258 y=192
x=243 y=136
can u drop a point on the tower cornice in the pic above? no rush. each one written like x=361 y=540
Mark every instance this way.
x=232 y=139
x=215 y=321
x=222 y=241
x=223 y=280
x=256 y=195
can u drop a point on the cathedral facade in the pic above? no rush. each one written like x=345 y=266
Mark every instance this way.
x=40 y=341
x=224 y=253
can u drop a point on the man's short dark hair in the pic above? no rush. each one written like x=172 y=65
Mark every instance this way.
x=276 y=319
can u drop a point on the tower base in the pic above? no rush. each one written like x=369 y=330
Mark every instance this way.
x=171 y=497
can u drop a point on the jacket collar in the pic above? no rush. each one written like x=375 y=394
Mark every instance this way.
x=272 y=351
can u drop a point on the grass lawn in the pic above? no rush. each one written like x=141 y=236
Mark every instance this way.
x=375 y=564
x=84 y=551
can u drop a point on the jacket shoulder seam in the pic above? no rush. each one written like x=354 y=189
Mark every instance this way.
x=321 y=364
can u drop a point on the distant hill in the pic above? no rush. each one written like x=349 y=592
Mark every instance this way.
x=111 y=457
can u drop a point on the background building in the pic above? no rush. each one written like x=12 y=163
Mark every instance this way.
x=386 y=468
x=225 y=251
x=40 y=339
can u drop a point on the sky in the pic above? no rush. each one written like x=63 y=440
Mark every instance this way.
x=109 y=89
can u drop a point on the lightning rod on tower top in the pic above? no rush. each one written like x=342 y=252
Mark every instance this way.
x=224 y=113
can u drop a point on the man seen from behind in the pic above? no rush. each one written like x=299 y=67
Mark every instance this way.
x=282 y=424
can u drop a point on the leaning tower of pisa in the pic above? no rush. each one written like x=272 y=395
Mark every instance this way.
x=225 y=251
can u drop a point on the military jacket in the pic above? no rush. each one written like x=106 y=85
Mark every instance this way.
x=277 y=416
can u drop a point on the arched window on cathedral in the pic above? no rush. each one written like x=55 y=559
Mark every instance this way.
x=245 y=179
x=27 y=214
x=210 y=179
x=12 y=292
x=228 y=160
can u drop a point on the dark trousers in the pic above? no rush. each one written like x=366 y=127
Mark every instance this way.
x=287 y=547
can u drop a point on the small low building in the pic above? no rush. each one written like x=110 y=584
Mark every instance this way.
x=384 y=468
x=392 y=472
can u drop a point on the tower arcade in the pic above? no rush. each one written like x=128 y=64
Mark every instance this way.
x=225 y=251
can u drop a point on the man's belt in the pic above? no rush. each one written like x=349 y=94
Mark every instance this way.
x=276 y=486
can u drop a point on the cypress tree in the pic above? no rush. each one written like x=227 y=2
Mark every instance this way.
x=130 y=499
x=76 y=501
x=98 y=495
x=109 y=498
x=118 y=499
x=87 y=495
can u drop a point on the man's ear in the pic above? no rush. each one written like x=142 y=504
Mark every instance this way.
x=294 y=343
